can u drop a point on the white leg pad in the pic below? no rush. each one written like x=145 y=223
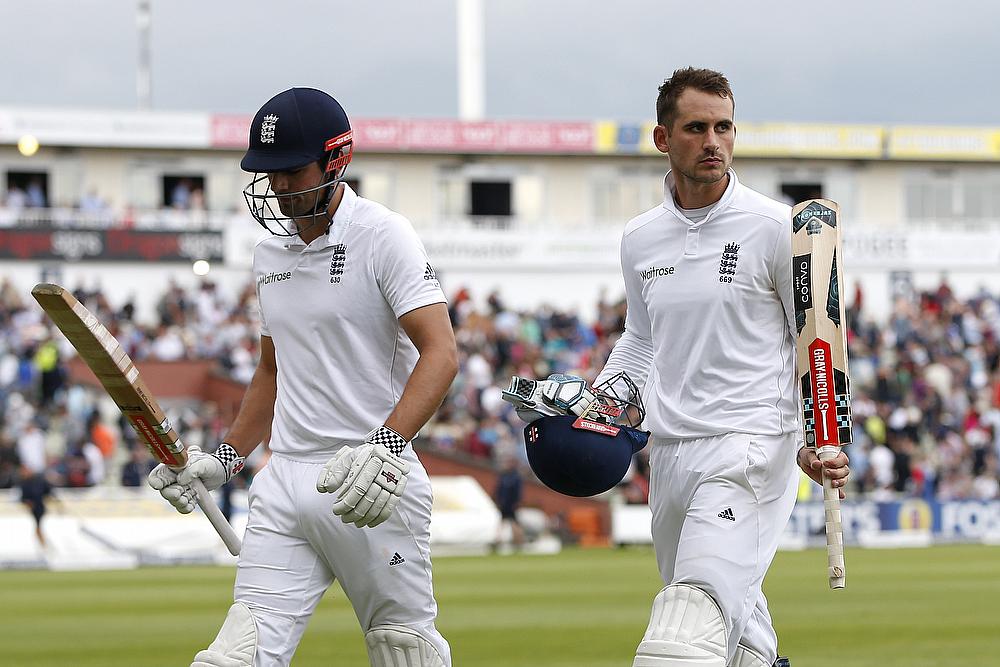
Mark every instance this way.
x=236 y=644
x=686 y=629
x=398 y=646
x=746 y=657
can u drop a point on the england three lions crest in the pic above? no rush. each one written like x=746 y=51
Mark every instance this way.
x=267 y=128
x=337 y=262
x=727 y=265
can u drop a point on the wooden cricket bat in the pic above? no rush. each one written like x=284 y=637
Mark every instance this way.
x=120 y=378
x=822 y=352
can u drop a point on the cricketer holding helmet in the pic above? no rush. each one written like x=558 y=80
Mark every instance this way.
x=357 y=352
x=709 y=334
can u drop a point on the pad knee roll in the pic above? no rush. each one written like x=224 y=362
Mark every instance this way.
x=398 y=646
x=686 y=629
x=236 y=643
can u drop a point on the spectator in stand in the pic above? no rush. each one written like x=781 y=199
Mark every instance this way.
x=31 y=449
x=986 y=485
x=96 y=466
x=93 y=203
x=74 y=469
x=101 y=436
x=180 y=195
x=50 y=370
x=36 y=194
x=139 y=465
x=197 y=201
x=9 y=473
x=168 y=345
x=16 y=198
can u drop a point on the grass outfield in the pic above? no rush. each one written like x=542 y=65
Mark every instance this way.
x=936 y=607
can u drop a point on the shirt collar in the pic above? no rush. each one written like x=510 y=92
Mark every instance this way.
x=342 y=216
x=671 y=205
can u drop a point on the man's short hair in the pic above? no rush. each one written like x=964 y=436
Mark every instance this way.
x=705 y=80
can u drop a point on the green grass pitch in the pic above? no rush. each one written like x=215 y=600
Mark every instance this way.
x=936 y=607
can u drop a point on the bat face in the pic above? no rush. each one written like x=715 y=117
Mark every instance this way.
x=115 y=371
x=821 y=350
x=120 y=378
x=819 y=323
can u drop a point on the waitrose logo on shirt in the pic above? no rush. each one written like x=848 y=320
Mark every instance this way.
x=272 y=277
x=656 y=272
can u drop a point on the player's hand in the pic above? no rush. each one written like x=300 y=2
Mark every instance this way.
x=368 y=480
x=558 y=394
x=213 y=470
x=836 y=469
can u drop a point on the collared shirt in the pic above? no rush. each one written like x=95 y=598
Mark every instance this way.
x=332 y=310
x=709 y=331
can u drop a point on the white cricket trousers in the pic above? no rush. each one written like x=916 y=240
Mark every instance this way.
x=295 y=547
x=720 y=505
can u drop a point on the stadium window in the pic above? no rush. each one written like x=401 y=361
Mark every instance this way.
x=27 y=189
x=619 y=194
x=490 y=198
x=934 y=195
x=796 y=192
x=980 y=194
x=183 y=191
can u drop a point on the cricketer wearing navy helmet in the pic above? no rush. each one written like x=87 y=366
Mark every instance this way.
x=319 y=133
x=356 y=354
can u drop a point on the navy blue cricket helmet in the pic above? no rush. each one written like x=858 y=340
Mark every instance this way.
x=588 y=455
x=292 y=130
x=576 y=461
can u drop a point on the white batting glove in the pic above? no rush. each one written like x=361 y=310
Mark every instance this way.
x=213 y=470
x=164 y=480
x=559 y=394
x=368 y=480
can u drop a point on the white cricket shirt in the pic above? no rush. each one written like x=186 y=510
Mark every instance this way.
x=709 y=332
x=332 y=309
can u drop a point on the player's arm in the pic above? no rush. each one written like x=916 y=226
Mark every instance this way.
x=633 y=352
x=249 y=429
x=430 y=330
x=256 y=411
x=369 y=480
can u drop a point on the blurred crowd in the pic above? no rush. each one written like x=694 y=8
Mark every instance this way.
x=926 y=386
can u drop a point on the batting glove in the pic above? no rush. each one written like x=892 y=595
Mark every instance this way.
x=213 y=470
x=559 y=394
x=368 y=480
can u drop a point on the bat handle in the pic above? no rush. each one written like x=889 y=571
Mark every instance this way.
x=834 y=525
x=214 y=514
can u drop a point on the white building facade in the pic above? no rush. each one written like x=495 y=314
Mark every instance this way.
x=530 y=209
